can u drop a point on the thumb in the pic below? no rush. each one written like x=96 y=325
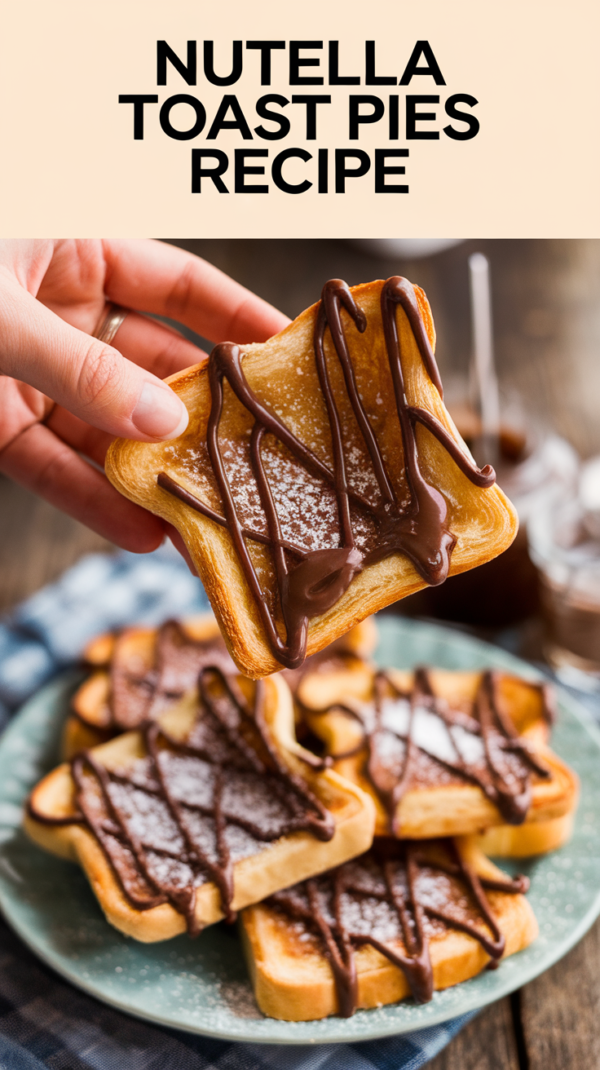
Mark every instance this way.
x=85 y=376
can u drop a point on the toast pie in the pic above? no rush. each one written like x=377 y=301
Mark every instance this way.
x=348 y=653
x=211 y=807
x=403 y=919
x=137 y=674
x=320 y=477
x=446 y=753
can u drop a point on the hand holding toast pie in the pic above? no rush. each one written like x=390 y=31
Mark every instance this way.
x=68 y=385
x=320 y=477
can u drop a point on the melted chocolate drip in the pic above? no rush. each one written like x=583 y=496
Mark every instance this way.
x=178 y=658
x=188 y=810
x=337 y=656
x=311 y=582
x=401 y=730
x=424 y=886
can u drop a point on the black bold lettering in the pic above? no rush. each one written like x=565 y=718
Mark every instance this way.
x=311 y=101
x=335 y=78
x=394 y=121
x=199 y=120
x=220 y=122
x=241 y=170
x=370 y=77
x=323 y=186
x=265 y=48
x=462 y=116
x=413 y=117
x=356 y=117
x=264 y=112
x=199 y=171
x=138 y=100
x=187 y=70
x=276 y=171
x=342 y=171
x=297 y=61
x=422 y=48
x=237 y=64
x=381 y=170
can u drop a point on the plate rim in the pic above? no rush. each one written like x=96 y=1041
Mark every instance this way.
x=59 y=688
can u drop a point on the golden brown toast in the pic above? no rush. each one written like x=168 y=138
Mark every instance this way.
x=477 y=752
x=133 y=653
x=100 y=650
x=411 y=918
x=214 y=807
x=320 y=477
x=346 y=654
x=137 y=674
x=359 y=642
x=531 y=838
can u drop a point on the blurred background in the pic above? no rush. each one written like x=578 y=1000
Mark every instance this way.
x=546 y=308
x=545 y=319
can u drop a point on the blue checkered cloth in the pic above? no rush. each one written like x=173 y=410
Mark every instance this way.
x=44 y=1021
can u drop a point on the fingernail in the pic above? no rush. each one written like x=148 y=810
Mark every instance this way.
x=159 y=413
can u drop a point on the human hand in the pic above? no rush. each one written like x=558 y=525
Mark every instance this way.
x=64 y=395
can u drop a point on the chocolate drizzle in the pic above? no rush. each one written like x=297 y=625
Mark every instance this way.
x=185 y=812
x=339 y=655
x=409 y=738
x=395 y=898
x=138 y=696
x=310 y=582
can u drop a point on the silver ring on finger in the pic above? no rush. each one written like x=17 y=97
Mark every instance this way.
x=109 y=323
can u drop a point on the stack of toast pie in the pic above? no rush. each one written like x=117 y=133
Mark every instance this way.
x=257 y=764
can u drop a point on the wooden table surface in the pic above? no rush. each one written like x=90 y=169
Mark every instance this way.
x=547 y=324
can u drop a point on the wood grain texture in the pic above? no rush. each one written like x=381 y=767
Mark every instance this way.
x=560 y=1011
x=37 y=543
x=486 y=1043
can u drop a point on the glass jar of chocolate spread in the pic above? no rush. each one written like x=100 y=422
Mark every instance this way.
x=564 y=540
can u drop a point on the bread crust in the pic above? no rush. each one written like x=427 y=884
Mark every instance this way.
x=90 y=722
x=524 y=841
x=484 y=521
x=293 y=857
x=451 y=809
x=301 y=988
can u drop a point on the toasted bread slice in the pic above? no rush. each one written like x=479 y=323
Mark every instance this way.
x=359 y=642
x=283 y=580
x=348 y=653
x=137 y=675
x=156 y=862
x=437 y=797
x=531 y=838
x=290 y=958
x=93 y=721
x=100 y=650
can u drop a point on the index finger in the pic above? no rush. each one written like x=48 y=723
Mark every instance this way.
x=150 y=276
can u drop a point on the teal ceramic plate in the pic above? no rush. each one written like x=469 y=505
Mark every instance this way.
x=202 y=986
